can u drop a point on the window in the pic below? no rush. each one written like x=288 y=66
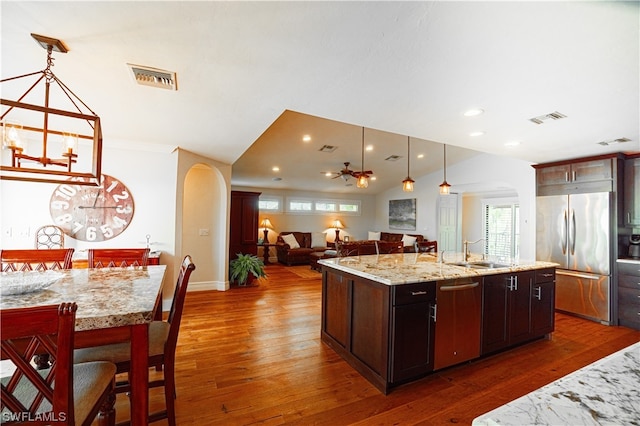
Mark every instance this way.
x=268 y=203
x=502 y=228
x=304 y=206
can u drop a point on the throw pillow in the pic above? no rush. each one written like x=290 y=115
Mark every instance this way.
x=408 y=240
x=318 y=239
x=374 y=235
x=291 y=240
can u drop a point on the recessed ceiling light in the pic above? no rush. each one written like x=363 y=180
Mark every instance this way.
x=369 y=148
x=327 y=174
x=512 y=144
x=420 y=155
x=276 y=169
x=474 y=134
x=306 y=138
x=473 y=112
x=372 y=178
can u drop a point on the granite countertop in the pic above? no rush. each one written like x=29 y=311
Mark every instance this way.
x=394 y=269
x=106 y=297
x=603 y=393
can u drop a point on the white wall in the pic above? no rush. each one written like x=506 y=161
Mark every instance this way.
x=484 y=173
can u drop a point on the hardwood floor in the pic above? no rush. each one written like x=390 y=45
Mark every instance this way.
x=254 y=356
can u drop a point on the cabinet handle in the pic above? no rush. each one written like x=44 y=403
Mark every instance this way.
x=538 y=293
x=513 y=283
x=566 y=176
x=418 y=293
x=434 y=311
x=574 y=175
x=547 y=275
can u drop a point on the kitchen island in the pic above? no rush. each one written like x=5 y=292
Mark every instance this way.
x=398 y=317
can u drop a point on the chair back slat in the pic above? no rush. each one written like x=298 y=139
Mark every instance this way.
x=42 y=330
x=177 y=304
x=118 y=258
x=36 y=260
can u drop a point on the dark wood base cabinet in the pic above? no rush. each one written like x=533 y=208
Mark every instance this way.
x=384 y=332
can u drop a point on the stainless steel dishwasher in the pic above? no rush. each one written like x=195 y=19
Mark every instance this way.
x=458 y=321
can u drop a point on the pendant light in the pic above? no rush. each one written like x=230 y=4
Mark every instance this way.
x=445 y=188
x=363 y=178
x=407 y=183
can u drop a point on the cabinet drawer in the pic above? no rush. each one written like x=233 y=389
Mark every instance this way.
x=628 y=268
x=629 y=281
x=545 y=275
x=413 y=293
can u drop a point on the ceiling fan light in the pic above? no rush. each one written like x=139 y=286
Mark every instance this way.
x=363 y=181
x=407 y=184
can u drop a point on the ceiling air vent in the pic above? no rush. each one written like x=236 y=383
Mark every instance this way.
x=153 y=77
x=392 y=158
x=328 y=148
x=614 y=142
x=551 y=116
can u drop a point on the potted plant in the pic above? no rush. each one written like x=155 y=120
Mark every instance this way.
x=245 y=268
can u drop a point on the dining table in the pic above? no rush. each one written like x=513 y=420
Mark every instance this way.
x=114 y=305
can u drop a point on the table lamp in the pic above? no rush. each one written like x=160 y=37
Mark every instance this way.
x=266 y=225
x=337 y=225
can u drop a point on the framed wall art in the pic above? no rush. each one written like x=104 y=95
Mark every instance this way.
x=402 y=214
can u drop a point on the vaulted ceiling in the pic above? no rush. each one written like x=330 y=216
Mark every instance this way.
x=254 y=77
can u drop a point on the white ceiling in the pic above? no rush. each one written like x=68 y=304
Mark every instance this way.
x=253 y=75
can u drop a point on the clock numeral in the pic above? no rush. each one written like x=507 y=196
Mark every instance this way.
x=65 y=191
x=114 y=183
x=122 y=196
x=106 y=231
x=64 y=218
x=119 y=223
x=76 y=227
x=58 y=204
x=124 y=209
x=91 y=233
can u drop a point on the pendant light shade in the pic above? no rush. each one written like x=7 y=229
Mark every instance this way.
x=407 y=183
x=445 y=188
x=363 y=178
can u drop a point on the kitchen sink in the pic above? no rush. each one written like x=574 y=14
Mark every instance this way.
x=482 y=265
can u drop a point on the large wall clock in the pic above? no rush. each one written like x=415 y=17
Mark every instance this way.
x=90 y=213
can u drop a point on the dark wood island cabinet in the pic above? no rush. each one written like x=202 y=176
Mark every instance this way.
x=387 y=331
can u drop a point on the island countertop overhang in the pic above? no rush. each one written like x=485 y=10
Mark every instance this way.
x=408 y=268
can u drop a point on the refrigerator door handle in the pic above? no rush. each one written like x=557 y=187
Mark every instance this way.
x=564 y=232
x=573 y=232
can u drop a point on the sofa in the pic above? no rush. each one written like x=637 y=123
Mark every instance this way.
x=289 y=255
x=393 y=236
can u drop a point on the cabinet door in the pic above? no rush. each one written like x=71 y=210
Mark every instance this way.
x=553 y=175
x=335 y=307
x=589 y=171
x=412 y=348
x=542 y=308
x=370 y=325
x=494 y=313
x=519 y=292
x=632 y=192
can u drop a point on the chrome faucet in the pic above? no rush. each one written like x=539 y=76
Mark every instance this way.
x=441 y=260
x=466 y=248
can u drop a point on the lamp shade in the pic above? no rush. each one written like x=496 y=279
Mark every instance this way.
x=266 y=223
x=337 y=224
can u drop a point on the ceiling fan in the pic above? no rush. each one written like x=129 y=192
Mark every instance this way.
x=346 y=173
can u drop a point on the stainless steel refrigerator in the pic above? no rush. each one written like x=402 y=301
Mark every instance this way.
x=574 y=231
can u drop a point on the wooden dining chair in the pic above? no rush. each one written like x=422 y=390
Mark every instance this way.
x=389 y=247
x=64 y=394
x=427 y=247
x=118 y=257
x=163 y=339
x=35 y=260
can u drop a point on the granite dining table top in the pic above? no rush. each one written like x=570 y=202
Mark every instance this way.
x=107 y=297
x=405 y=268
x=606 y=392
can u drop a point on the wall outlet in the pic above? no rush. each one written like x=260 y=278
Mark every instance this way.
x=203 y=232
